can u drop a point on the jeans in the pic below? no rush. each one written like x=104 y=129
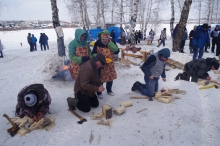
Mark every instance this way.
x=151 y=87
x=199 y=51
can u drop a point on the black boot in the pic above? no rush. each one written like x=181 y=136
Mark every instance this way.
x=178 y=77
x=139 y=87
x=150 y=98
x=135 y=86
x=72 y=103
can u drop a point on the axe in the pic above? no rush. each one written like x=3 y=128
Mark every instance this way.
x=13 y=130
x=78 y=116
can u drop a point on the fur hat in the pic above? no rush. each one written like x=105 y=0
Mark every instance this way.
x=100 y=57
x=30 y=99
x=215 y=64
x=205 y=26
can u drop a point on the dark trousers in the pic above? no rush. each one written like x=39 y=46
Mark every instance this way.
x=85 y=102
x=1 y=54
x=108 y=87
x=35 y=47
x=31 y=47
x=207 y=46
x=214 y=42
x=218 y=49
x=182 y=44
x=47 y=46
x=161 y=42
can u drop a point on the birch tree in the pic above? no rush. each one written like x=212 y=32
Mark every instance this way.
x=148 y=15
x=133 y=22
x=172 y=19
x=56 y=24
x=182 y=24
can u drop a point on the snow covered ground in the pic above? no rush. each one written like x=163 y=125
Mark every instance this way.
x=191 y=120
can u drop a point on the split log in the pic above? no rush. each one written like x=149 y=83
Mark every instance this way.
x=22 y=131
x=126 y=104
x=203 y=82
x=119 y=110
x=102 y=122
x=142 y=110
x=164 y=100
x=50 y=126
x=96 y=117
x=218 y=78
x=176 y=91
x=139 y=97
x=107 y=111
x=91 y=138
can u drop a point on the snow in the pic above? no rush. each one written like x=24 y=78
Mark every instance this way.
x=191 y=120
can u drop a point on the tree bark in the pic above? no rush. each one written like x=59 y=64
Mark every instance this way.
x=133 y=21
x=56 y=23
x=182 y=24
x=172 y=20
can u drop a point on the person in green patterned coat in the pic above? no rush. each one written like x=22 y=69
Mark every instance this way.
x=108 y=48
x=79 y=52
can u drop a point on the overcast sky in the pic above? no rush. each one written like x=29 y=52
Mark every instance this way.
x=32 y=10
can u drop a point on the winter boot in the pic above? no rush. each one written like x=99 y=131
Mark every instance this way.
x=135 y=86
x=150 y=98
x=178 y=77
x=72 y=103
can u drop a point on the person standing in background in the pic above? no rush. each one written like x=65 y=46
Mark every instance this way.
x=34 y=41
x=191 y=39
x=29 y=40
x=214 y=35
x=207 y=45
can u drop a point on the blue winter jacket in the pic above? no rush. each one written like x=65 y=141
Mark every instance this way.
x=34 y=40
x=200 y=37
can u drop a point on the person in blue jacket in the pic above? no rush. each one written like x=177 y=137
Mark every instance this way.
x=153 y=68
x=200 y=39
x=34 y=42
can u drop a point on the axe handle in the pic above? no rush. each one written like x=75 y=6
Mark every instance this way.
x=12 y=123
x=78 y=116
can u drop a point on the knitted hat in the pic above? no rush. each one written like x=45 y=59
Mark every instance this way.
x=215 y=64
x=205 y=26
x=100 y=57
x=165 y=52
x=30 y=99
x=217 y=26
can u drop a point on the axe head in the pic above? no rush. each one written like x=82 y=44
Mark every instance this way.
x=83 y=120
x=13 y=130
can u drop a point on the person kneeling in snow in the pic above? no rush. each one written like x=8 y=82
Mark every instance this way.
x=198 y=68
x=33 y=101
x=153 y=68
x=87 y=84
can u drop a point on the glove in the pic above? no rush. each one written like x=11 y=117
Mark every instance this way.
x=85 y=58
x=194 y=48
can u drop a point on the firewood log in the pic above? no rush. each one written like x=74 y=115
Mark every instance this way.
x=126 y=104
x=50 y=126
x=139 y=97
x=22 y=131
x=96 y=117
x=119 y=110
x=164 y=100
x=203 y=82
x=142 y=110
x=107 y=111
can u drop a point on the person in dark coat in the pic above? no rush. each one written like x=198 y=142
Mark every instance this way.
x=198 y=68
x=33 y=101
x=46 y=40
x=87 y=84
x=207 y=45
x=136 y=36
x=1 y=50
x=29 y=40
x=113 y=35
x=200 y=38
x=214 y=35
x=218 y=46
x=183 y=40
x=41 y=41
x=153 y=68
x=191 y=39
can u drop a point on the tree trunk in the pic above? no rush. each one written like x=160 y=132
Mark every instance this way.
x=103 y=14
x=172 y=20
x=56 y=23
x=121 y=13
x=182 y=24
x=149 y=8
x=132 y=22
